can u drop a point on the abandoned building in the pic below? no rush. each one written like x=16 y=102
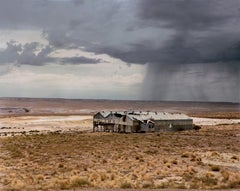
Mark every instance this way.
x=136 y=122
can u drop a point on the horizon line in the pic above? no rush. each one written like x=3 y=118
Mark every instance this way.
x=107 y=99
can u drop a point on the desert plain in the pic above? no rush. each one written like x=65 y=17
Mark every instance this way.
x=48 y=144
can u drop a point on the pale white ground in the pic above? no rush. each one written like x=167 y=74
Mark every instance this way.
x=45 y=123
x=208 y=121
x=72 y=123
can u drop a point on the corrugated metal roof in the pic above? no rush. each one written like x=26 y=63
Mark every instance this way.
x=105 y=113
x=138 y=115
x=164 y=116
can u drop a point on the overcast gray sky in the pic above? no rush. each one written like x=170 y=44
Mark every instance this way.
x=121 y=49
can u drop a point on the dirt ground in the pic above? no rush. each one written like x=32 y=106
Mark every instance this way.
x=205 y=159
x=58 y=151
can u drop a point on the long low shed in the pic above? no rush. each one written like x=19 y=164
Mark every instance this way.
x=135 y=122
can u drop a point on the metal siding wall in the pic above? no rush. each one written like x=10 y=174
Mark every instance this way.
x=164 y=125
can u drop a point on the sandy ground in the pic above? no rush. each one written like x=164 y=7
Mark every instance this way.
x=45 y=123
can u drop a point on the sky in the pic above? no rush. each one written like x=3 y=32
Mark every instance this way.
x=181 y=50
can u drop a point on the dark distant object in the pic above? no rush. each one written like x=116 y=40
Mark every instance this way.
x=26 y=110
x=14 y=110
x=197 y=127
x=140 y=122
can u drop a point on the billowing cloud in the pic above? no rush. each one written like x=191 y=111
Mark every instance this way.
x=25 y=54
x=10 y=53
x=187 y=45
x=37 y=55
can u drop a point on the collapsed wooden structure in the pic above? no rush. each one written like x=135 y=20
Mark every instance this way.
x=136 y=122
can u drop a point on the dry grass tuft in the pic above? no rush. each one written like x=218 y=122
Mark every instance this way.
x=126 y=185
x=185 y=155
x=79 y=182
x=57 y=161
x=215 y=168
x=234 y=157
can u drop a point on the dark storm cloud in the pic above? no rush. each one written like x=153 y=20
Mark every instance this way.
x=183 y=14
x=132 y=30
x=191 y=46
x=200 y=32
x=10 y=53
x=205 y=43
x=80 y=59
x=36 y=55
x=29 y=57
x=231 y=54
x=25 y=54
